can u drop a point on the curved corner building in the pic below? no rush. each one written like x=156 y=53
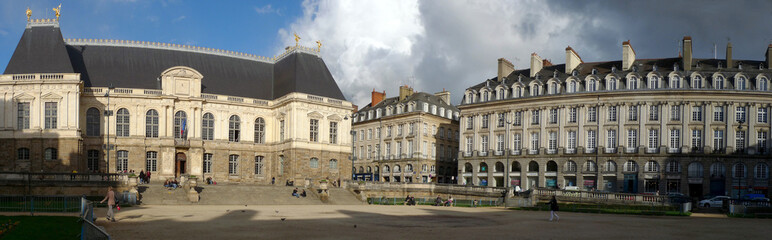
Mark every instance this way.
x=114 y=106
x=686 y=125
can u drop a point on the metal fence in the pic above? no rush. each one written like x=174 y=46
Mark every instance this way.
x=88 y=229
x=33 y=204
x=476 y=202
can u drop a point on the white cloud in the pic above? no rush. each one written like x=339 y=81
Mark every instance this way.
x=267 y=9
x=180 y=18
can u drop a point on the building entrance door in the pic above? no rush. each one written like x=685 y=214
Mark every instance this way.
x=695 y=190
x=631 y=183
x=179 y=167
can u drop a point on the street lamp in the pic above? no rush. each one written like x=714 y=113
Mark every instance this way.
x=108 y=113
x=740 y=177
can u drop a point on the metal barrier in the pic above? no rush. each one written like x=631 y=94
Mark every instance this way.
x=33 y=204
x=88 y=229
x=480 y=202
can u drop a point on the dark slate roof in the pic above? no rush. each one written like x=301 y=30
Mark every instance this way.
x=127 y=66
x=40 y=50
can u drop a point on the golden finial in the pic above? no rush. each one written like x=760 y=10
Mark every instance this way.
x=57 y=10
x=319 y=45
x=29 y=14
x=297 y=39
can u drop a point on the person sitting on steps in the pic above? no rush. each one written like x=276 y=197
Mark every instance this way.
x=295 y=193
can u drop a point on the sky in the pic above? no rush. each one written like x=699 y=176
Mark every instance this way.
x=430 y=45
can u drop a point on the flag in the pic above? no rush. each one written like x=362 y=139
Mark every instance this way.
x=182 y=129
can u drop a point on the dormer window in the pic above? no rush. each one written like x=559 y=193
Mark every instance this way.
x=741 y=83
x=635 y=68
x=675 y=82
x=632 y=83
x=613 y=69
x=718 y=83
x=740 y=65
x=592 y=86
x=518 y=92
x=653 y=82
x=594 y=71
x=574 y=73
x=572 y=87
x=697 y=82
x=612 y=84
x=654 y=68
x=763 y=84
x=675 y=67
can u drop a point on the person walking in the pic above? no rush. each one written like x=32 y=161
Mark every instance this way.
x=147 y=178
x=141 y=177
x=553 y=208
x=110 y=198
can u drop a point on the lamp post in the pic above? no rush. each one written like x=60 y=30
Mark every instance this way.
x=508 y=167
x=108 y=113
x=740 y=177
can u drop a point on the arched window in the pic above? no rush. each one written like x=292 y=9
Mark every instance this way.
x=631 y=166
x=122 y=123
x=361 y=170
x=761 y=171
x=483 y=168
x=763 y=84
x=518 y=92
x=92 y=122
x=22 y=154
x=653 y=82
x=718 y=82
x=741 y=83
x=468 y=167
x=499 y=167
x=611 y=166
x=675 y=82
x=51 y=154
x=570 y=166
x=151 y=123
x=632 y=83
x=533 y=166
x=334 y=165
x=592 y=86
x=552 y=166
x=651 y=166
x=697 y=82
x=396 y=169
x=695 y=170
x=409 y=168
x=122 y=161
x=314 y=163
x=516 y=167
x=260 y=130
x=612 y=84
x=180 y=125
x=717 y=170
x=738 y=171
x=207 y=126
x=377 y=169
x=386 y=168
x=572 y=86
x=233 y=164
x=234 y=128
x=590 y=166
x=369 y=169
x=673 y=167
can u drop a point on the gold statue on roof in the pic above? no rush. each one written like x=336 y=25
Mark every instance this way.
x=319 y=45
x=29 y=14
x=297 y=39
x=57 y=10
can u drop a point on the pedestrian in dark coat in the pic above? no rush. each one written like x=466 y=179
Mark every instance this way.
x=553 y=208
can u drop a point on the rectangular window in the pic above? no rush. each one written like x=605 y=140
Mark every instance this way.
x=696 y=139
x=675 y=139
x=388 y=149
x=653 y=140
x=633 y=114
x=518 y=119
x=411 y=130
x=718 y=139
x=553 y=142
x=591 y=143
x=369 y=134
x=718 y=114
x=151 y=161
x=233 y=164
x=469 y=122
x=761 y=141
x=592 y=115
x=207 y=163
x=334 y=132
x=571 y=143
x=485 y=119
x=740 y=141
x=697 y=113
x=151 y=124
x=93 y=160
x=410 y=149
x=388 y=131
x=500 y=143
x=369 y=151
x=675 y=113
x=611 y=137
x=23 y=115
x=484 y=143
x=612 y=113
x=434 y=150
x=572 y=115
x=654 y=113
x=740 y=114
x=554 y=116
x=426 y=129
x=314 y=131
x=122 y=164
x=469 y=145
x=534 y=142
x=632 y=140
x=400 y=129
x=517 y=142
x=51 y=109
x=281 y=130
x=502 y=119
x=535 y=117
x=258 y=165
x=762 y=115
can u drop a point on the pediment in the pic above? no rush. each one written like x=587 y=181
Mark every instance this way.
x=316 y=115
x=51 y=96
x=334 y=117
x=183 y=72
x=23 y=97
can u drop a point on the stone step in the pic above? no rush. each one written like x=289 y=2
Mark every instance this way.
x=237 y=194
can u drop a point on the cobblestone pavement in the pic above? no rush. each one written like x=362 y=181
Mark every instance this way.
x=410 y=222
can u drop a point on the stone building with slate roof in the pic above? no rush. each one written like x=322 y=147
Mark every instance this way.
x=684 y=125
x=173 y=110
x=409 y=138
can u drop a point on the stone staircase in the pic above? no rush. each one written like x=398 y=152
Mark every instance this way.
x=238 y=194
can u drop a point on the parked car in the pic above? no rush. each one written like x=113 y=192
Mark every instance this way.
x=716 y=201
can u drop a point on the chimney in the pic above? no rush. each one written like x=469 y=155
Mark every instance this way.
x=546 y=63
x=536 y=64
x=628 y=55
x=377 y=97
x=687 y=58
x=444 y=95
x=572 y=60
x=729 y=63
x=769 y=56
x=405 y=92
x=505 y=68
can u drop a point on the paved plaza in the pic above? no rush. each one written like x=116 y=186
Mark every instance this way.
x=405 y=222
